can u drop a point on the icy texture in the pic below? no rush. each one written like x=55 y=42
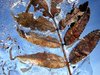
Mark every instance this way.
x=11 y=40
x=73 y=2
x=83 y=68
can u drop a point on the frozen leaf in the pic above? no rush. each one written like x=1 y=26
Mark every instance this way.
x=84 y=47
x=44 y=59
x=25 y=19
x=41 y=40
x=76 y=28
x=41 y=4
x=73 y=16
x=54 y=10
x=42 y=24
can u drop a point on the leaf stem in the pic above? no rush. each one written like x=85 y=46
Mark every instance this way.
x=62 y=48
x=67 y=63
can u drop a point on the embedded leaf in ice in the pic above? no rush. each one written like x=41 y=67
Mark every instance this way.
x=54 y=10
x=43 y=24
x=85 y=46
x=74 y=15
x=44 y=59
x=83 y=7
x=27 y=20
x=41 y=4
x=41 y=40
x=77 y=28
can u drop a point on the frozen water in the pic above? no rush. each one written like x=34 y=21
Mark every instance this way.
x=20 y=46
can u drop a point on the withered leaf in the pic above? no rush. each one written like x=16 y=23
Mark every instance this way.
x=46 y=41
x=43 y=24
x=76 y=28
x=54 y=10
x=27 y=20
x=85 y=46
x=44 y=59
x=73 y=16
x=41 y=4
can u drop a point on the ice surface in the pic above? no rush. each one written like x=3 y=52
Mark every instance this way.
x=10 y=39
x=84 y=68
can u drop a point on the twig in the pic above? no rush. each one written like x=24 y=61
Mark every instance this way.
x=67 y=63
x=62 y=47
x=28 y=7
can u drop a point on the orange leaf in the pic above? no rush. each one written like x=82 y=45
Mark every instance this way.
x=41 y=4
x=73 y=16
x=41 y=40
x=76 y=28
x=27 y=20
x=43 y=24
x=54 y=10
x=43 y=59
x=84 y=47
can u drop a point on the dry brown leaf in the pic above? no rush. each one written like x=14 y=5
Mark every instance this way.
x=54 y=10
x=27 y=20
x=76 y=28
x=73 y=16
x=41 y=4
x=46 y=41
x=43 y=24
x=44 y=59
x=85 y=46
